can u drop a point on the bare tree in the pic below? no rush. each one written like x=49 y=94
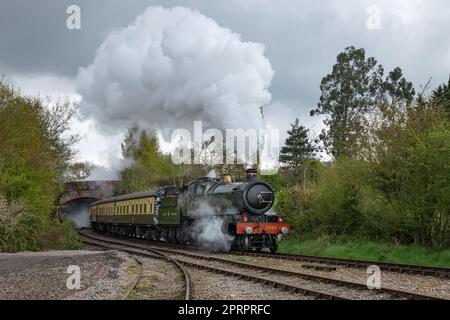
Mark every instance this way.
x=10 y=214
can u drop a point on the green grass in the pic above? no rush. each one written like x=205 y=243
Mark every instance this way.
x=366 y=250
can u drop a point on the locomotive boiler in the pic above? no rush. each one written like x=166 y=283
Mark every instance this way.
x=173 y=214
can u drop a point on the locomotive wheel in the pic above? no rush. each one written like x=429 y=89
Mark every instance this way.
x=274 y=248
x=243 y=244
x=177 y=236
x=174 y=237
x=165 y=235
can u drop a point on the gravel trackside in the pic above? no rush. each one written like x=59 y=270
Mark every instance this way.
x=43 y=275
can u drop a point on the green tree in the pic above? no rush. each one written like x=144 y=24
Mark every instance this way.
x=410 y=170
x=79 y=171
x=396 y=90
x=147 y=166
x=348 y=93
x=423 y=176
x=298 y=150
x=441 y=97
x=34 y=157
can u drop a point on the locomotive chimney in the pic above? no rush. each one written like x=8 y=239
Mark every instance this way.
x=251 y=174
x=226 y=178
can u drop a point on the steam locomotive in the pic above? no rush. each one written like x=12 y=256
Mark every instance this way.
x=191 y=214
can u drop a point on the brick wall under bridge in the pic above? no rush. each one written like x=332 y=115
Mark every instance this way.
x=78 y=196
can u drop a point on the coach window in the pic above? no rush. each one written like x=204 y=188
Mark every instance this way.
x=145 y=208
x=132 y=208
x=140 y=208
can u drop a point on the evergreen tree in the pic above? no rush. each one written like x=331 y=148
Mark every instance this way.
x=441 y=97
x=297 y=150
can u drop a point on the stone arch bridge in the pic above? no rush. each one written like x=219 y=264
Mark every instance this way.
x=78 y=196
x=87 y=189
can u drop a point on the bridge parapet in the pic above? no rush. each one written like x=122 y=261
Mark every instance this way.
x=88 y=189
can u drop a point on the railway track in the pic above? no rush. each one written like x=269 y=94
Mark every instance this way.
x=150 y=252
x=136 y=279
x=144 y=252
x=394 y=293
x=307 y=278
x=423 y=270
x=394 y=267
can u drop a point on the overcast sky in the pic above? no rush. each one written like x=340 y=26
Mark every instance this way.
x=301 y=39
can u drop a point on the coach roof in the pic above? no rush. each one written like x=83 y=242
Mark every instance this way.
x=137 y=195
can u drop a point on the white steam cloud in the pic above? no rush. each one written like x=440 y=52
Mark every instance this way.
x=171 y=67
x=207 y=229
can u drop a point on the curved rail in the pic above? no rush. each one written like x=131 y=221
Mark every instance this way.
x=308 y=276
x=277 y=284
x=350 y=284
x=136 y=279
x=142 y=252
x=424 y=270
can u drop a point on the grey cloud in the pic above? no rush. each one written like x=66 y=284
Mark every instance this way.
x=302 y=38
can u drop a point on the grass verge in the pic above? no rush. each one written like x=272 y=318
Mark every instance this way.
x=366 y=250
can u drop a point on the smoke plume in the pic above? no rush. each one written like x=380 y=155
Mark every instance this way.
x=207 y=229
x=173 y=66
x=78 y=211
